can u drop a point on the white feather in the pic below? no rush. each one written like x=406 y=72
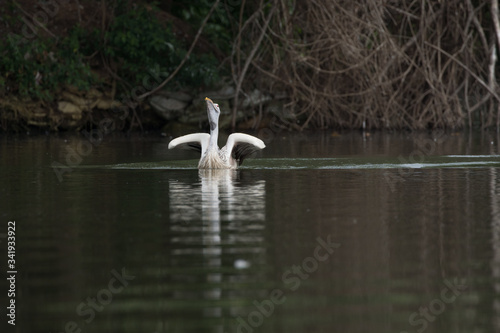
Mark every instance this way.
x=236 y=138
x=197 y=138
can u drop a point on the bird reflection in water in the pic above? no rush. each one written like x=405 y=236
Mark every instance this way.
x=217 y=223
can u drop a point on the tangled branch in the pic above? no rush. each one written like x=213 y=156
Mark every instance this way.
x=380 y=63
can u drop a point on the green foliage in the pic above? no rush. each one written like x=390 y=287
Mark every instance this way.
x=38 y=68
x=141 y=44
x=219 y=29
x=136 y=42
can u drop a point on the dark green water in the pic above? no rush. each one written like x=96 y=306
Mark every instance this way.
x=319 y=233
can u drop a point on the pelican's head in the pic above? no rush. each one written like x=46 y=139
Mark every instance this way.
x=213 y=113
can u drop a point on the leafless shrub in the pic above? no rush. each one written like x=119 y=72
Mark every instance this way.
x=376 y=63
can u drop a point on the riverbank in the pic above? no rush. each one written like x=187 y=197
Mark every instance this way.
x=68 y=65
x=75 y=110
x=72 y=73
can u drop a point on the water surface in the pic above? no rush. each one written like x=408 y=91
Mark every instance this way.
x=320 y=232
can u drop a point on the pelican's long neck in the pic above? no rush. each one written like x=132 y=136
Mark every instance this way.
x=214 y=130
x=214 y=135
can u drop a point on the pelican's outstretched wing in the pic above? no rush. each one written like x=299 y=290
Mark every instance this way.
x=196 y=141
x=240 y=145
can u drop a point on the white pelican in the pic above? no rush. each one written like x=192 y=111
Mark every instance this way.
x=237 y=148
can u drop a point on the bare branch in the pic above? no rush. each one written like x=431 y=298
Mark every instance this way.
x=186 y=57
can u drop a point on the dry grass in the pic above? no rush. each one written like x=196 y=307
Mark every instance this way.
x=376 y=63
